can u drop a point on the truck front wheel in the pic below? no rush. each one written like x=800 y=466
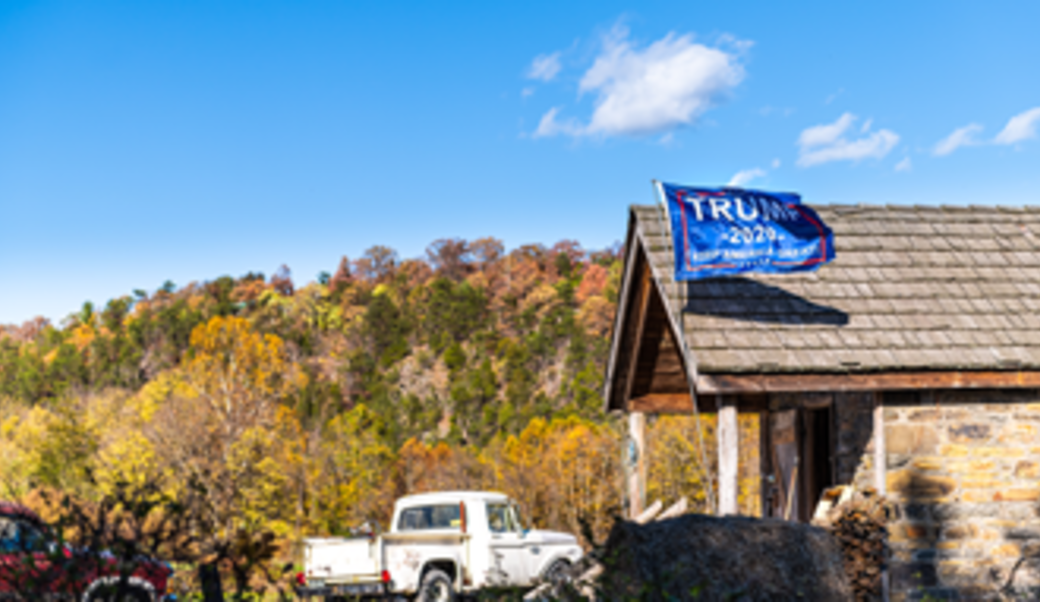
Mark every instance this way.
x=558 y=575
x=436 y=587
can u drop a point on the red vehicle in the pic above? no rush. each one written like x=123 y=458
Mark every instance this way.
x=35 y=565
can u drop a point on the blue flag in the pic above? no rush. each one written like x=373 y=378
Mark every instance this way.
x=723 y=231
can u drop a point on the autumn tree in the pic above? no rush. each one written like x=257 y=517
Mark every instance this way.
x=219 y=435
x=377 y=264
x=450 y=258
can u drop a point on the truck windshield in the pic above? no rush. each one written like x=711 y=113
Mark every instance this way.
x=419 y=518
x=501 y=518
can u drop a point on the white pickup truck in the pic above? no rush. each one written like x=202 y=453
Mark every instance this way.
x=439 y=545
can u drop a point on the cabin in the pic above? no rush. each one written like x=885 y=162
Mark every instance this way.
x=910 y=364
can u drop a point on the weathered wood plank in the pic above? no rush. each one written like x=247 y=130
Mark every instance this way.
x=642 y=304
x=880 y=381
x=729 y=442
x=662 y=403
x=669 y=382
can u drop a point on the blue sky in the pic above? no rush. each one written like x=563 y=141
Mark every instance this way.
x=147 y=141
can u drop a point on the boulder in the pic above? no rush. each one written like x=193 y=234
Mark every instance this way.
x=707 y=558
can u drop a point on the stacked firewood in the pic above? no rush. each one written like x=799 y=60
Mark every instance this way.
x=857 y=520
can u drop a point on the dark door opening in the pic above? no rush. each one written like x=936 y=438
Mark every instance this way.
x=816 y=458
x=800 y=456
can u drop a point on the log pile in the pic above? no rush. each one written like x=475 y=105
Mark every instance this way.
x=857 y=520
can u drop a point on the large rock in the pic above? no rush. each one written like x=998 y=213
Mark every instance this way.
x=705 y=558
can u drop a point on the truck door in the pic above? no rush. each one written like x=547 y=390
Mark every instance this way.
x=508 y=563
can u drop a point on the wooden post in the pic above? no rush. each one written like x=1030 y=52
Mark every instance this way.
x=880 y=457
x=880 y=467
x=637 y=476
x=765 y=468
x=729 y=443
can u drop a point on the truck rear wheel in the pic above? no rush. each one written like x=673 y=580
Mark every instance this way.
x=436 y=587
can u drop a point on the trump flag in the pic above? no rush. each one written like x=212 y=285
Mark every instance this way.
x=724 y=231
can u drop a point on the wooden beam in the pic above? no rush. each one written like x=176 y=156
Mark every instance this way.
x=642 y=304
x=631 y=257
x=873 y=381
x=637 y=473
x=662 y=403
x=729 y=449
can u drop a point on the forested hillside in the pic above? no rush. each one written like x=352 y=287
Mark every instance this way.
x=306 y=410
x=464 y=345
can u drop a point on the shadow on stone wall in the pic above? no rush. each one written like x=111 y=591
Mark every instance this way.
x=1022 y=576
x=959 y=476
x=917 y=523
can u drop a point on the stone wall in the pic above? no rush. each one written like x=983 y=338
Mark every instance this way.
x=854 y=444
x=964 y=470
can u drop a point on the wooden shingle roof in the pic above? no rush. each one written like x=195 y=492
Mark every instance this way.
x=911 y=288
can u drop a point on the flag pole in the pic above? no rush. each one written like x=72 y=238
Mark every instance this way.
x=664 y=216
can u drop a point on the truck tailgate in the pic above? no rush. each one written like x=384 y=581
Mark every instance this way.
x=340 y=558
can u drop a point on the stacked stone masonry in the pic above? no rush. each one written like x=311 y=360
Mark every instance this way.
x=963 y=468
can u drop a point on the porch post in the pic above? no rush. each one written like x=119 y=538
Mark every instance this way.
x=729 y=442
x=880 y=466
x=637 y=474
x=880 y=456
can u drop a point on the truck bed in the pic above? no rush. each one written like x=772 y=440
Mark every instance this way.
x=352 y=565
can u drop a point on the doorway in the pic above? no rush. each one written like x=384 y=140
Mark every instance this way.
x=800 y=458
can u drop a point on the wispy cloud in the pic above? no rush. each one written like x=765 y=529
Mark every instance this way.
x=905 y=165
x=829 y=142
x=545 y=67
x=819 y=135
x=653 y=90
x=742 y=178
x=964 y=136
x=550 y=126
x=1019 y=128
x=769 y=110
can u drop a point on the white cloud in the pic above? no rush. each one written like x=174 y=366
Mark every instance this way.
x=1019 y=128
x=652 y=90
x=825 y=143
x=545 y=67
x=776 y=163
x=527 y=92
x=964 y=136
x=743 y=177
x=905 y=165
x=549 y=126
x=819 y=135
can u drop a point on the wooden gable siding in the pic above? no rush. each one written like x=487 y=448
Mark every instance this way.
x=647 y=359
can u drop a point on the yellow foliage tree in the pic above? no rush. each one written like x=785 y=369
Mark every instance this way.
x=675 y=464
x=221 y=432
x=350 y=476
x=562 y=472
